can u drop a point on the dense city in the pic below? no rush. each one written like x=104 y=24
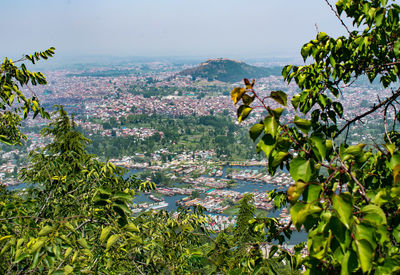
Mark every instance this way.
x=112 y=104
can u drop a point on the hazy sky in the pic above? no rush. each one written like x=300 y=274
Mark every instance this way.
x=212 y=28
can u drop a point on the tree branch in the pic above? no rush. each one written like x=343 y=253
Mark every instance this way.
x=362 y=190
x=373 y=109
x=338 y=16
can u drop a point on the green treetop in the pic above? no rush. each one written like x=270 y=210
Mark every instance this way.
x=347 y=198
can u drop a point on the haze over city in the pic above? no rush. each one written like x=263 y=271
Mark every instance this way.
x=228 y=28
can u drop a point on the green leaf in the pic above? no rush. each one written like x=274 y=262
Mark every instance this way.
x=243 y=112
x=343 y=205
x=396 y=233
x=300 y=211
x=322 y=36
x=301 y=169
x=298 y=214
x=5 y=140
x=332 y=116
x=111 y=241
x=396 y=174
x=271 y=126
x=394 y=160
x=132 y=227
x=311 y=192
x=276 y=159
x=122 y=195
x=305 y=50
x=256 y=130
x=37 y=245
x=46 y=231
x=295 y=101
x=354 y=150
x=21 y=257
x=266 y=144
x=374 y=214
x=341 y=233
x=83 y=243
x=318 y=145
x=35 y=259
x=365 y=254
x=338 y=107
x=122 y=210
x=104 y=233
x=364 y=231
x=277 y=112
x=286 y=70
x=68 y=252
x=68 y=269
x=6 y=237
x=379 y=16
x=104 y=191
x=396 y=48
x=349 y=262
x=304 y=125
x=280 y=97
x=323 y=100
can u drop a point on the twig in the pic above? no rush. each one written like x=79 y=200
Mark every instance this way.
x=338 y=16
x=386 y=124
x=395 y=111
x=30 y=89
x=373 y=109
x=137 y=267
x=44 y=205
x=79 y=226
x=363 y=193
x=22 y=217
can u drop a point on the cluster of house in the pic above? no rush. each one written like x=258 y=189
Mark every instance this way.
x=217 y=201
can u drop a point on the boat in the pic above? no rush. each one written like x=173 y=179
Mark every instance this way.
x=152 y=197
x=159 y=205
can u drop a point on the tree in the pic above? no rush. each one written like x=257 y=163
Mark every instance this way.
x=76 y=217
x=346 y=197
x=14 y=104
x=76 y=214
x=239 y=249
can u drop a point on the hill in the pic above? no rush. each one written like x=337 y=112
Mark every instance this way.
x=227 y=70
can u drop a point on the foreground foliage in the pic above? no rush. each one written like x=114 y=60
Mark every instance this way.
x=75 y=216
x=347 y=197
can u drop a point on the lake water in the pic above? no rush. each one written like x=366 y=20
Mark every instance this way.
x=241 y=186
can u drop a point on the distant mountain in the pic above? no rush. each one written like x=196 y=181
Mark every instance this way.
x=227 y=70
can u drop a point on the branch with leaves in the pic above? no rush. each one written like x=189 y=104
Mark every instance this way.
x=342 y=194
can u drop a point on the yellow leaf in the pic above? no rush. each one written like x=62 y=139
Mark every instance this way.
x=396 y=174
x=294 y=192
x=111 y=241
x=68 y=252
x=45 y=231
x=237 y=94
x=5 y=237
x=104 y=233
x=68 y=269
x=132 y=227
